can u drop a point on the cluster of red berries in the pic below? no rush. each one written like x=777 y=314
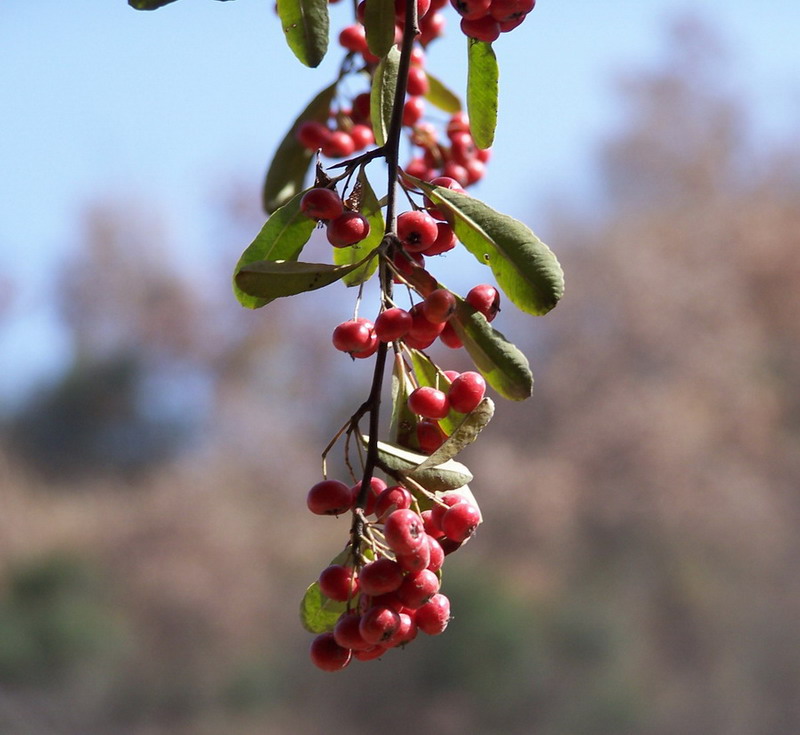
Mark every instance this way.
x=393 y=593
x=485 y=20
x=417 y=327
x=344 y=227
x=459 y=159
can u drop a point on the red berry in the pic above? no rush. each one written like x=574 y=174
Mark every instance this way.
x=312 y=134
x=392 y=324
x=404 y=531
x=431 y=525
x=460 y=521
x=421 y=328
x=423 y=6
x=391 y=499
x=450 y=338
x=369 y=351
x=432 y=618
x=406 y=631
x=466 y=391
x=430 y=436
x=447 y=183
x=510 y=25
x=360 y=111
x=471 y=8
x=378 y=624
x=417 y=230
x=475 y=171
x=429 y=403
x=458 y=123
x=362 y=136
x=339 y=145
x=506 y=10
x=417 y=54
x=439 y=306
x=338 y=582
x=354 y=38
x=320 y=203
x=417 y=82
x=376 y=487
x=419 y=169
x=327 y=654
x=455 y=171
x=347 y=634
x=485 y=299
x=404 y=262
x=431 y=27
x=370 y=653
x=380 y=576
x=353 y=336
x=347 y=229
x=439 y=509
x=483 y=29
x=417 y=560
x=329 y=498
x=437 y=554
x=445 y=240
x=418 y=588
x=413 y=110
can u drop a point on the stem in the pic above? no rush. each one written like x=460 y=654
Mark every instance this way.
x=391 y=154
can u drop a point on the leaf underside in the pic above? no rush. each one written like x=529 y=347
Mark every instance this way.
x=305 y=24
x=482 y=91
x=384 y=84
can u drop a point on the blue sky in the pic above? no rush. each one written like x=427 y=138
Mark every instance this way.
x=97 y=97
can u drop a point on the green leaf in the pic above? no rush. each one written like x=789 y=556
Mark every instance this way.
x=465 y=433
x=379 y=22
x=440 y=96
x=525 y=268
x=269 y=279
x=282 y=238
x=305 y=23
x=149 y=4
x=482 y=91
x=505 y=368
x=384 y=84
x=371 y=209
x=319 y=613
x=287 y=170
x=441 y=478
x=404 y=421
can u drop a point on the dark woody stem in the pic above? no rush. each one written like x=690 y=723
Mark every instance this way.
x=391 y=153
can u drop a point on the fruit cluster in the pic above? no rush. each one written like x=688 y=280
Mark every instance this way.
x=485 y=20
x=391 y=591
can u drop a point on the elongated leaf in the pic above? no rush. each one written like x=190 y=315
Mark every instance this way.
x=379 y=23
x=441 y=478
x=505 y=368
x=482 y=91
x=525 y=268
x=384 y=84
x=371 y=209
x=269 y=280
x=403 y=424
x=281 y=238
x=465 y=433
x=289 y=165
x=431 y=375
x=305 y=23
x=440 y=96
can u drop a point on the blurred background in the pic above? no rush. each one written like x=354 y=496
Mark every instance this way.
x=637 y=573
